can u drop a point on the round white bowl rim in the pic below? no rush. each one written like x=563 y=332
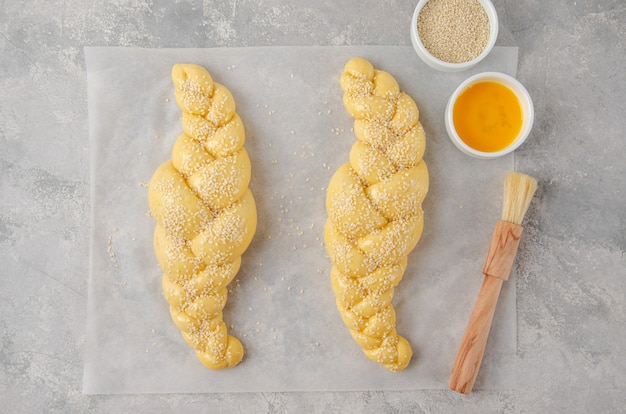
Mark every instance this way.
x=525 y=101
x=439 y=64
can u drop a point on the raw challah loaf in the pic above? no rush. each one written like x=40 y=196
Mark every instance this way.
x=374 y=210
x=205 y=214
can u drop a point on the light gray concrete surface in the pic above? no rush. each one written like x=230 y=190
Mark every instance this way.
x=571 y=270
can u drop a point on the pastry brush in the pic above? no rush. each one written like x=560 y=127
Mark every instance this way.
x=518 y=191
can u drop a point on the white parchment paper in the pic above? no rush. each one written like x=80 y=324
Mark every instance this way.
x=282 y=306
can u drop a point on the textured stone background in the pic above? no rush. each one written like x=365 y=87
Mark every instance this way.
x=571 y=269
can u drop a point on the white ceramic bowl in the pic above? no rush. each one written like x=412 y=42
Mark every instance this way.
x=438 y=64
x=526 y=103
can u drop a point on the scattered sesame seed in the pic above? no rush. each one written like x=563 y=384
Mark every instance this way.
x=111 y=252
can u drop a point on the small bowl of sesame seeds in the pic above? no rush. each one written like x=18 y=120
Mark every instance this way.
x=453 y=35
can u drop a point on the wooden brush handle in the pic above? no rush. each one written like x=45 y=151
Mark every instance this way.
x=497 y=268
x=502 y=249
x=470 y=354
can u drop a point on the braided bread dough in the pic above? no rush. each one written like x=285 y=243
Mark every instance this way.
x=374 y=209
x=205 y=214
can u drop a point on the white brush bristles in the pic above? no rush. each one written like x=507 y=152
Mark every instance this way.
x=518 y=191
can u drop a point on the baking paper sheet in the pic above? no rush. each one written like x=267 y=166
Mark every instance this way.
x=282 y=306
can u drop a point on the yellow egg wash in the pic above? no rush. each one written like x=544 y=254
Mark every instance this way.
x=487 y=116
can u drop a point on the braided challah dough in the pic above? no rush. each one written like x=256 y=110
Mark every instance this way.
x=375 y=216
x=205 y=214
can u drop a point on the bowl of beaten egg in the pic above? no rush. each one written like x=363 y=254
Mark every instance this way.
x=489 y=115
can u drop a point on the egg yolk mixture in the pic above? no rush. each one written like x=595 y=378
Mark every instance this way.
x=487 y=116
